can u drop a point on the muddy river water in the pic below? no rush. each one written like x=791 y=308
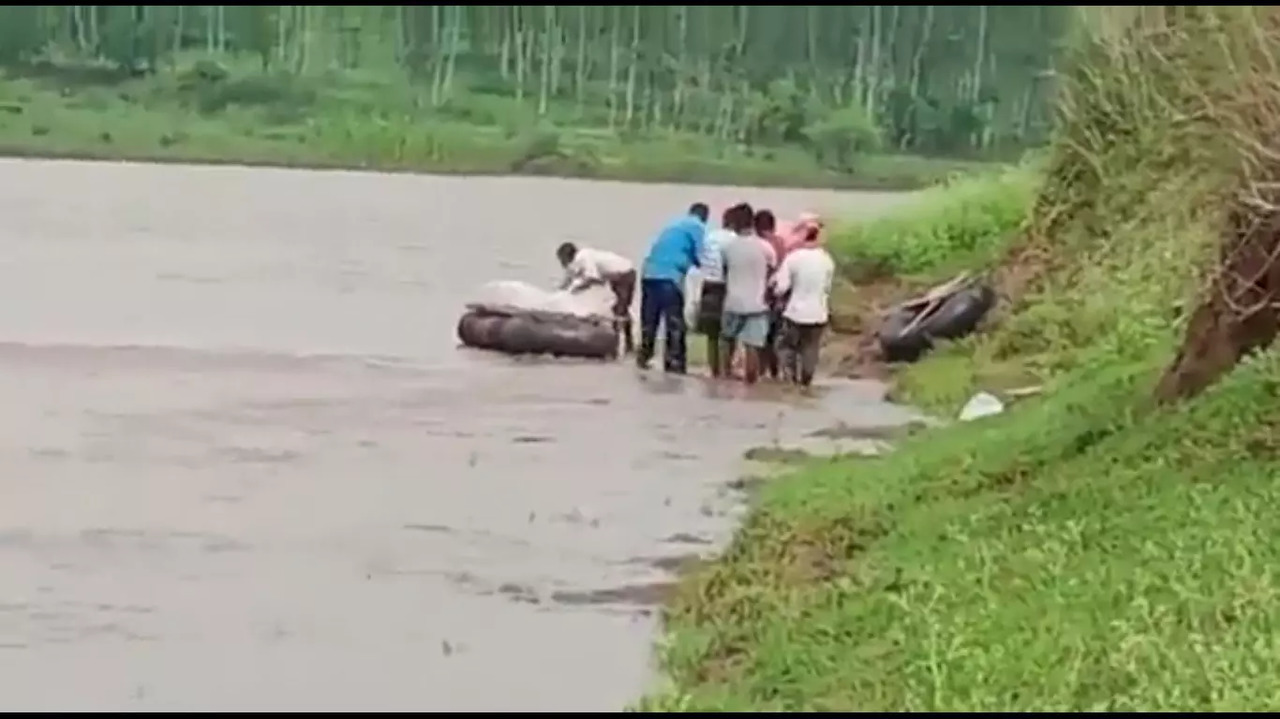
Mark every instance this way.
x=247 y=468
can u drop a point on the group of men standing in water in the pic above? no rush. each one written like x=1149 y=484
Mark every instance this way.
x=764 y=291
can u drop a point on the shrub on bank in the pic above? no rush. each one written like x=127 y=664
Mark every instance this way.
x=1089 y=550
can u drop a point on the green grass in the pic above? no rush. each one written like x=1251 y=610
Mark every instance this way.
x=1075 y=554
x=356 y=122
x=967 y=223
x=1088 y=549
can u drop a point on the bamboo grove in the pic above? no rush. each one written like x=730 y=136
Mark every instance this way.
x=928 y=79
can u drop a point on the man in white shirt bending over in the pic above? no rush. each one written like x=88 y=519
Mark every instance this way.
x=586 y=266
x=748 y=260
x=805 y=276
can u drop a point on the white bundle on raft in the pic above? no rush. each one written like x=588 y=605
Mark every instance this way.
x=518 y=318
x=596 y=300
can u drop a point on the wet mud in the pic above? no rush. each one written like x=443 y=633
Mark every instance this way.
x=247 y=468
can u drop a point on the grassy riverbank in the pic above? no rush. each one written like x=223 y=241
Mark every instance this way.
x=1107 y=545
x=372 y=123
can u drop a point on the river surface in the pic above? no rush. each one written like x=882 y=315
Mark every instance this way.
x=246 y=466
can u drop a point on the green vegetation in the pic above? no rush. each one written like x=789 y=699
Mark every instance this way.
x=736 y=94
x=965 y=224
x=1109 y=545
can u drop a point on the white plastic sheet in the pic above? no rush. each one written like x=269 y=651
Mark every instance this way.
x=596 y=300
x=982 y=404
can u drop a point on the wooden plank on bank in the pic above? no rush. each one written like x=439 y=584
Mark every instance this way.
x=938 y=292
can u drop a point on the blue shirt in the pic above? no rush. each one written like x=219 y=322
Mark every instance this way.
x=675 y=251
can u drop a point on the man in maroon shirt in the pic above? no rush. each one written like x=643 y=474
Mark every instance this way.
x=766 y=228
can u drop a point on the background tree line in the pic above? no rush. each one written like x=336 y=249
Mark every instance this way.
x=967 y=80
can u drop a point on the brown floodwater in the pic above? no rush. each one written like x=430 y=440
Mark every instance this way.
x=246 y=466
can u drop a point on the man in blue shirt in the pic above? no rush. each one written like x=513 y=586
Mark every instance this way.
x=671 y=256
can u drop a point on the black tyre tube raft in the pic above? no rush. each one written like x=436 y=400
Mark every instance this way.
x=956 y=317
x=479 y=330
x=900 y=344
x=520 y=332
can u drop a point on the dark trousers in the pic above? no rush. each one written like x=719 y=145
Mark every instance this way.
x=769 y=362
x=662 y=301
x=710 y=316
x=798 y=351
x=624 y=292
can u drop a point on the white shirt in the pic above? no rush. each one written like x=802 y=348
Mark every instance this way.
x=591 y=265
x=807 y=273
x=710 y=257
x=747 y=263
